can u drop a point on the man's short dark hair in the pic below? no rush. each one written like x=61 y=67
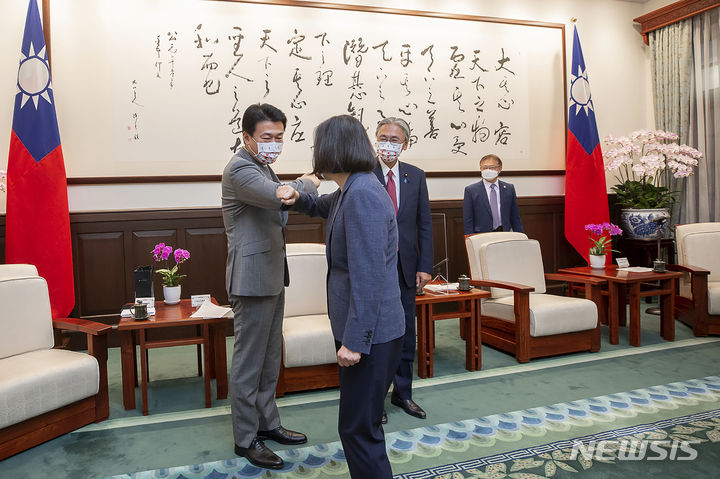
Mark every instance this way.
x=261 y=112
x=491 y=157
x=342 y=146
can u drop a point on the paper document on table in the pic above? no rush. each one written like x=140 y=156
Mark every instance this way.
x=636 y=269
x=208 y=310
x=442 y=288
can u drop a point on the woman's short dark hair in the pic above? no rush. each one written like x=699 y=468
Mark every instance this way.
x=261 y=112
x=342 y=146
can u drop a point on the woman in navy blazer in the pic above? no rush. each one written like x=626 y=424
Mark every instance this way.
x=363 y=293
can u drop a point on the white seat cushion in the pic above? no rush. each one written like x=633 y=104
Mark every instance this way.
x=40 y=381
x=25 y=320
x=714 y=297
x=308 y=341
x=549 y=314
x=514 y=261
x=474 y=242
x=307 y=265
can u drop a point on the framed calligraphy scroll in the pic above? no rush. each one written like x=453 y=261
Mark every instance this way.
x=171 y=79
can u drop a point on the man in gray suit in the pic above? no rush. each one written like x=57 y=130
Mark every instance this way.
x=256 y=276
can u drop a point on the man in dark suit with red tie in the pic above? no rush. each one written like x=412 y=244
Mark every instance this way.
x=408 y=192
x=490 y=204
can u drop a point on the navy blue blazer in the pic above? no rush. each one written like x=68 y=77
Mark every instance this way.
x=477 y=217
x=363 y=291
x=414 y=222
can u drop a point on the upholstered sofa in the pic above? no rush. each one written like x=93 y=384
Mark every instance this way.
x=698 y=301
x=519 y=317
x=309 y=359
x=44 y=392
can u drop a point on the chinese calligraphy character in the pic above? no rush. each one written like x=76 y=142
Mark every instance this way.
x=503 y=134
x=382 y=47
x=297 y=49
x=503 y=60
x=428 y=50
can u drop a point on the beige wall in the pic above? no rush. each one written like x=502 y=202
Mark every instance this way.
x=616 y=58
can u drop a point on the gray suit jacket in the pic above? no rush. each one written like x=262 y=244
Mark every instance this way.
x=254 y=225
x=362 y=242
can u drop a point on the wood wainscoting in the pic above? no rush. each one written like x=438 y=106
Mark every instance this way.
x=107 y=246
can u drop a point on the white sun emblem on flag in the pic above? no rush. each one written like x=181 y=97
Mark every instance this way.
x=580 y=92
x=33 y=77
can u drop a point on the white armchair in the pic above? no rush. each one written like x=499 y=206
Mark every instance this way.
x=698 y=301
x=44 y=392
x=519 y=317
x=309 y=358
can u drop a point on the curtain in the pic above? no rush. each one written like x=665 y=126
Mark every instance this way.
x=701 y=198
x=685 y=64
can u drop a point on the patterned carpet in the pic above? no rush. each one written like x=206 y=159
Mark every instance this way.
x=658 y=425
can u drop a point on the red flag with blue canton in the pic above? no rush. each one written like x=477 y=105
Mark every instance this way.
x=37 y=223
x=585 y=190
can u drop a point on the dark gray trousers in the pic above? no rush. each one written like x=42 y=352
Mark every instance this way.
x=255 y=364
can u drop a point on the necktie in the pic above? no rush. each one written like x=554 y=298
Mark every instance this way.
x=494 y=209
x=391 y=190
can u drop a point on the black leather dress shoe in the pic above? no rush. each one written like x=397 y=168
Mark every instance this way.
x=384 y=417
x=283 y=436
x=259 y=455
x=409 y=406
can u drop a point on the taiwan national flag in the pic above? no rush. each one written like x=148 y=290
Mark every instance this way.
x=585 y=191
x=37 y=221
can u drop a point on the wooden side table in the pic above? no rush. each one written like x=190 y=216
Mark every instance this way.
x=618 y=282
x=212 y=339
x=469 y=314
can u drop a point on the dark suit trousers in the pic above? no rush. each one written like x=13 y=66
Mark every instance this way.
x=404 y=375
x=255 y=364
x=363 y=387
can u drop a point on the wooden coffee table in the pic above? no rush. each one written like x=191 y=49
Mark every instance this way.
x=212 y=339
x=618 y=281
x=469 y=314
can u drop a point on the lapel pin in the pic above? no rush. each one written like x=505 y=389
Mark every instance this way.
x=405 y=178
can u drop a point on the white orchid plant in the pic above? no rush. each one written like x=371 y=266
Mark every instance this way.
x=648 y=166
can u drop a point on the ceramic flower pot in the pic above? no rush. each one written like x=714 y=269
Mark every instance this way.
x=597 y=261
x=171 y=294
x=644 y=224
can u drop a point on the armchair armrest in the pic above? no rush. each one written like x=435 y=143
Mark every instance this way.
x=81 y=325
x=686 y=268
x=97 y=347
x=574 y=278
x=520 y=288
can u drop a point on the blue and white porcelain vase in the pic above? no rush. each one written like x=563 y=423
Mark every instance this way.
x=647 y=224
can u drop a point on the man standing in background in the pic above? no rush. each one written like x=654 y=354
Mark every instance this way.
x=256 y=276
x=408 y=192
x=490 y=204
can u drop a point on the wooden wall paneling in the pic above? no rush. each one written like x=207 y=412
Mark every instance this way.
x=142 y=243
x=100 y=267
x=108 y=245
x=206 y=268
x=301 y=228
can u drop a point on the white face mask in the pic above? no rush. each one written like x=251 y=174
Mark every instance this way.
x=388 y=151
x=490 y=174
x=267 y=152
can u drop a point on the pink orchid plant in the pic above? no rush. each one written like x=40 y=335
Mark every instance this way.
x=600 y=242
x=170 y=276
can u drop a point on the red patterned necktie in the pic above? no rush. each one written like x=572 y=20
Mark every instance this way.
x=391 y=190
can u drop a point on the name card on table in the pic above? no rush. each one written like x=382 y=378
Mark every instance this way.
x=198 y=299
x=622 y=262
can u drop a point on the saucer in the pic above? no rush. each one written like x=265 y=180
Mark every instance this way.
x=141 y=318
